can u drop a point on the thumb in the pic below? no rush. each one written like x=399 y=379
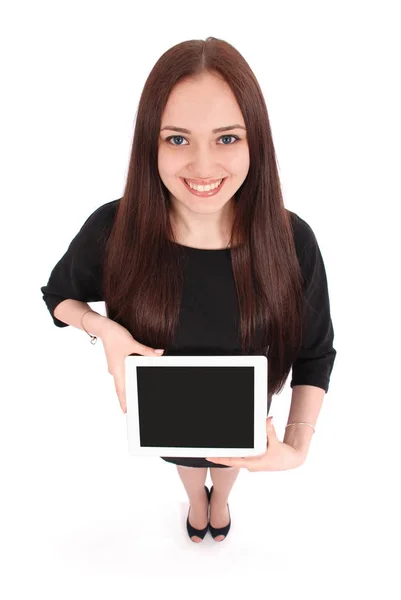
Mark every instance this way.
x=270 y=430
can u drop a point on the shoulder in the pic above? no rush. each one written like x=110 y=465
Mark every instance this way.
x=98 y=225
x=102 y=218
x=304 y=236
x=91 y=238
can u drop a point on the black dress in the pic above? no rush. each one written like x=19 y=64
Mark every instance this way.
x=209 y=315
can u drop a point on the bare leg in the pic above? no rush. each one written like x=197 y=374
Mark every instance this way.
x=223 y=481
x=193 y=480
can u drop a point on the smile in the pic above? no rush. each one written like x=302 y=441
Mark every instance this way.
x=201 y=192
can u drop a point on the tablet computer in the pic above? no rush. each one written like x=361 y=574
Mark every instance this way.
x=194 y=406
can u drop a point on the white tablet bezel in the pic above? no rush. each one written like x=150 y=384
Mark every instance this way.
x=260 y=364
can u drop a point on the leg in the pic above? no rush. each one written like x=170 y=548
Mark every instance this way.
x=223 y=481
x=193 y=479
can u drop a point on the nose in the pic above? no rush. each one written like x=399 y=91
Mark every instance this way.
x=203 y=165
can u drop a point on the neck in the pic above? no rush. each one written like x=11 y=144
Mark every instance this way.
x=204 y=231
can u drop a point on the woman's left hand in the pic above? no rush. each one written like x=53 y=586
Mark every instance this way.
x=279 y=456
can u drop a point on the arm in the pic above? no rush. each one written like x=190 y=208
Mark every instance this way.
x=312 y=369
x=70 y=312
x=306 y=402
x=76 y=279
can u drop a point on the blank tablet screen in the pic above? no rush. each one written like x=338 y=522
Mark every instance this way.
x=189 y=406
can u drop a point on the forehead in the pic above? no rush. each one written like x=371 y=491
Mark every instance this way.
x=205 y=101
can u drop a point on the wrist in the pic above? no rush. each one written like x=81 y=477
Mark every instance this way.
x=299 y=436
x=95 y=324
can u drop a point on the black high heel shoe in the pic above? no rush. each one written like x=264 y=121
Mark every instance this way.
x=200 y=533
x=222 y=530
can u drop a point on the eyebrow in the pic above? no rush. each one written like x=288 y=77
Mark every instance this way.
x=218 y=130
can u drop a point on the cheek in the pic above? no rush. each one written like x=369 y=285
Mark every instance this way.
x=245 y=158
x=237 y=162
x=169 y=163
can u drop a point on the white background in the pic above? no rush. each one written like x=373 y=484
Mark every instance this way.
x=79 y=516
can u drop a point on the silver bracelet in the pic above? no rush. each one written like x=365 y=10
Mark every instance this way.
x=93 y=337
x=301 y=423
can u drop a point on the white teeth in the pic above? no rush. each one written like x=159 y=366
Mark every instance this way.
x=204 y=188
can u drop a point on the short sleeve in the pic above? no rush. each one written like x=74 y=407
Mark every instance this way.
x=315 y=360
x=78 y=273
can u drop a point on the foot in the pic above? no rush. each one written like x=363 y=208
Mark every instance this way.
x=219 y=515
x=198 y=515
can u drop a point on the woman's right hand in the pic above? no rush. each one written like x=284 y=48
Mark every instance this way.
x=118 y=343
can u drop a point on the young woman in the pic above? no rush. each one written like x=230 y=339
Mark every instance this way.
x=200 y=255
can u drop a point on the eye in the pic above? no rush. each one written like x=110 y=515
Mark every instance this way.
x=180 y=137
x=175 y=137
x=235 y=137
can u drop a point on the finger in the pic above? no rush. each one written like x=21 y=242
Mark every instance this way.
x=119 y=382
x=146 y=350
x=246 y=463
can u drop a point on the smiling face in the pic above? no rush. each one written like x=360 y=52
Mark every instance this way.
x=199 y=154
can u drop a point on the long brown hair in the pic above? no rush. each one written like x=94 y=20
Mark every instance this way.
x=142 y=283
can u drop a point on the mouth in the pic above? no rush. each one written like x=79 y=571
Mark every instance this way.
x=204 y=194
